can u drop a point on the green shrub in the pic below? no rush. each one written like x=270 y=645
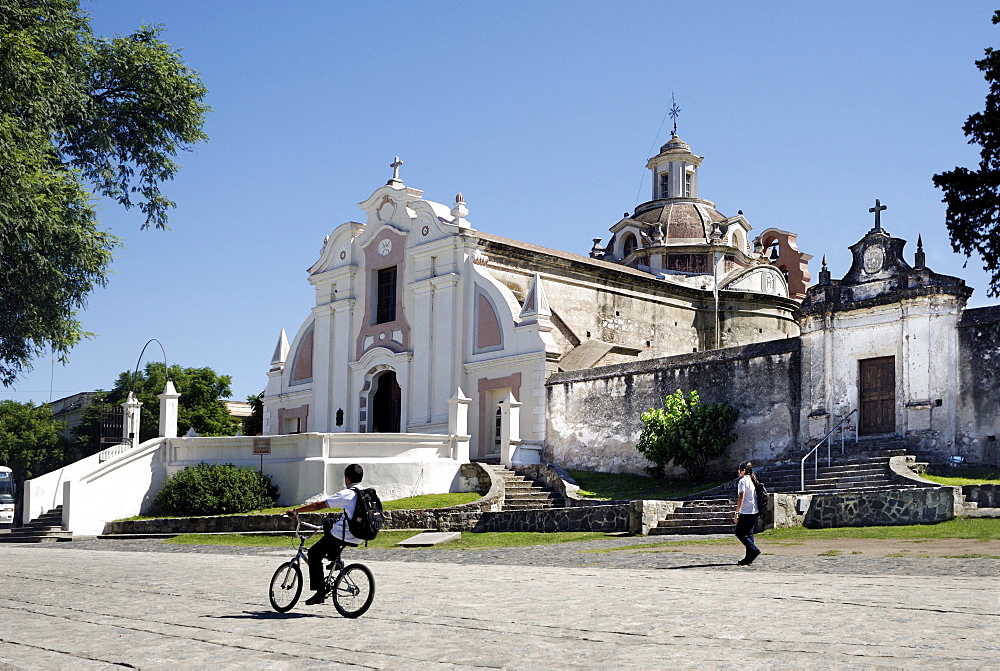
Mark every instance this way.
x=214 y=489
x=687 y=432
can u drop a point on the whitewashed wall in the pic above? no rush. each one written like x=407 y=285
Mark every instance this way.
x=303 y=466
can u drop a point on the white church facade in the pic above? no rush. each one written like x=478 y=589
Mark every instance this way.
x=416 y=309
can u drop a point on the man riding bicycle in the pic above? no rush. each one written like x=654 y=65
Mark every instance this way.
x=335 y=535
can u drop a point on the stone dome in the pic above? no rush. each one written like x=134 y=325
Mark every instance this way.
x=683 y=219
x=675 y=144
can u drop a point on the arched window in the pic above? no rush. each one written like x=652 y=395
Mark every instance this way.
x=629 y=245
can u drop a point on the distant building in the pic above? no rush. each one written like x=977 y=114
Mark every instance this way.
x=70 y=409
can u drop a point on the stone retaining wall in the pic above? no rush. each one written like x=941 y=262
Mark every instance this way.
x=890 y=507
x=606 y=518
x=987 y=496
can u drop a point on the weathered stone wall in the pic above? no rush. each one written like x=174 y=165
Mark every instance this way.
x=607 y=518
x=593 y=415
x=979 y=386
x=987 y=496
x=883 y=508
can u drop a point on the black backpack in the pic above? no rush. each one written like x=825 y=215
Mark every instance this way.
x=367 y=520
x=762 y=500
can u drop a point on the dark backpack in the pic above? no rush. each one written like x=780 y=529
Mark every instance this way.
x=367 y=520
x=762 y=500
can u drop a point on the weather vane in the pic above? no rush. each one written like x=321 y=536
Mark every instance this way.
x=674 y=111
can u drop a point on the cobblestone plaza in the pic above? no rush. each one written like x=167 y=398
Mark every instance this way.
x=143 y=604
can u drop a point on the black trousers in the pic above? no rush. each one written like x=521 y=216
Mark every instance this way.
x=744 y=532
x=326 y=547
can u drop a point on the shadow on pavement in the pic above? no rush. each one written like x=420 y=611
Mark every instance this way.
x=259 y=615
x=673 y=568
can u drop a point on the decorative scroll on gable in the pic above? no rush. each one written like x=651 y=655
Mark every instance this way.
x=302 y=366
x=488 y=333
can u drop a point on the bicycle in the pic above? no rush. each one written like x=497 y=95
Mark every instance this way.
x=352 y=587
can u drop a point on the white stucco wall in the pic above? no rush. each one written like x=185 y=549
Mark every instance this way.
x=303 y=466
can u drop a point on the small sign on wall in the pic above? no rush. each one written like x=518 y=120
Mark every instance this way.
x=262 y=446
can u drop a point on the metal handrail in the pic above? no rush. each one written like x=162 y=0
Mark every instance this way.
x=827 y=438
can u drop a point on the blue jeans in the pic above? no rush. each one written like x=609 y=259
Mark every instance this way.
x=744 y=532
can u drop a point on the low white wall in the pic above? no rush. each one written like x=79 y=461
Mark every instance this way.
x=303 y=466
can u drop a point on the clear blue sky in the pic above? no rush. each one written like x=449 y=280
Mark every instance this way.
x=542 y=114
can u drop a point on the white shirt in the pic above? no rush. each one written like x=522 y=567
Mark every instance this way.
x=749 y=492
x=346 y=499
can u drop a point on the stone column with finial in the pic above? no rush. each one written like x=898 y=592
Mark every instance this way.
x=168 y=410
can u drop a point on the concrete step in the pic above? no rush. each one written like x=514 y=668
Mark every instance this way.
x=50 y=537
x=699 y=530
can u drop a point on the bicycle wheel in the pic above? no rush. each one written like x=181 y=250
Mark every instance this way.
x=286 y=586
x=354 y=590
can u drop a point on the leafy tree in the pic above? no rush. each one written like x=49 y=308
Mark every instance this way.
x=30 y=440
x=687 y=432
x=973 y=196
x=200 y=406
x=254 y=424
x=79 y=115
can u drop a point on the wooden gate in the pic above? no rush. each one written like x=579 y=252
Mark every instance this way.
x=877 y=385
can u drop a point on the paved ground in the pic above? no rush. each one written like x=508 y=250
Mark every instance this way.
x=141 y=604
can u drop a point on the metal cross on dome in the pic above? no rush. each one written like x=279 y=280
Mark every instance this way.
x=879 y=207
x=674 y=111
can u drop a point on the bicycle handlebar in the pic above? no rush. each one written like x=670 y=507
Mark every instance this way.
x=299 y=523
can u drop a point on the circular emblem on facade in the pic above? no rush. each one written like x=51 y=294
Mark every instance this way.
x=874 y=257
x=384 y=247
x=386 y=209
x=343 y=255
x=769 y=283
x=425 y=230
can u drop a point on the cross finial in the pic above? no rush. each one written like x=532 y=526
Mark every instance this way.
x=879 y=207
x=674 y=111
x=395 y=170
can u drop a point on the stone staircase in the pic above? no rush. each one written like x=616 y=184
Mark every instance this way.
x=520 y=493
x=46 y=528
x=863 y=467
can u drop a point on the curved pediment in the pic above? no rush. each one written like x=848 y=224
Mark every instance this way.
x=761 y=279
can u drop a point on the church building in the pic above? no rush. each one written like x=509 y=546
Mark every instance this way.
x=416 y=309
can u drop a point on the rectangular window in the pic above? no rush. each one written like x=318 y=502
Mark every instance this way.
x=687 y=184
x=385 y=308
x=664 y=184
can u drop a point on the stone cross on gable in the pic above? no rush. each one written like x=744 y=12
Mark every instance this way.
x=395 y=169
x=879 y=207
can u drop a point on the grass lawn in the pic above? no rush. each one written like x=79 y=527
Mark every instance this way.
x=970 y=475
x=625 y=486
x=409 y=503
x=964 y=528
x=388 y=539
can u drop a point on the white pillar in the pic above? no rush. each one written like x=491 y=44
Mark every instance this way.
x=168 y=411
x=458 y=426
x=130 y=427
x=510 y=429
x=320 y=412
